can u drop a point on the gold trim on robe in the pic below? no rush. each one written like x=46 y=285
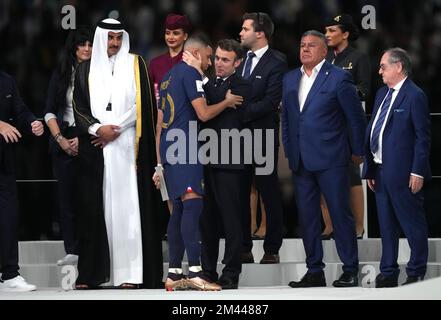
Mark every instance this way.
x=138 y=107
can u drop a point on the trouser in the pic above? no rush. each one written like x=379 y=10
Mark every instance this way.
x=268 y=186
x=65 y=172
x=222 y=210
x=8 y=227
x=333 y=183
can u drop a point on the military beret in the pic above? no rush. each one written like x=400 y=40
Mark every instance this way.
x=347 y=22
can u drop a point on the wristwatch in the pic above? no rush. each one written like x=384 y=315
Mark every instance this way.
x=58 y=137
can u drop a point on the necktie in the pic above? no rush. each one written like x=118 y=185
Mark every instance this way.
x=219 y=82
x=379 y=124
x=248 y=63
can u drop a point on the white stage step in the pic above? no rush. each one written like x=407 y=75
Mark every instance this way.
x=31 y=252
x=253 y=275
x=38 y=262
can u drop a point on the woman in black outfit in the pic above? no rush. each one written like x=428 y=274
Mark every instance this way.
x=64 y=142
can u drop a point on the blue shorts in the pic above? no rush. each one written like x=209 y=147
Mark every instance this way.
x=182 y=178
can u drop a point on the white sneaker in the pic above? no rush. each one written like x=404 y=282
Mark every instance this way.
x=17 y=284
x=69 y=259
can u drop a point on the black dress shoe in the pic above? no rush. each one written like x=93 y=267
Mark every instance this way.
x=227 y=283
x=270 y=259
x=382 y=281
x=410 y=280
x=346 y=280
x=326 y=236
x=255 y=236
x=247 y=257
x=360 y=236
x=209 y=276
x=310 y=280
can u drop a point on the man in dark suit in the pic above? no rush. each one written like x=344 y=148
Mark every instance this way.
x=265 y=68
x=397 y=165
x=11 y=107
x=224 y=179
x=320 y=107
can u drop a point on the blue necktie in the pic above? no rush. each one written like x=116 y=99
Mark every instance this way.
x=248 y=63
x=379 y=124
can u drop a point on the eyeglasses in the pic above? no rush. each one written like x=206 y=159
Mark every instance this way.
x=384 y=66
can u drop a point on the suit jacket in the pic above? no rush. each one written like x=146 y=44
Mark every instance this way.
x=406 y=137
x=229 y=118
x=56 y=109
x=266 y=79
x=358 y=65
x=14 y=111
x=319 y=134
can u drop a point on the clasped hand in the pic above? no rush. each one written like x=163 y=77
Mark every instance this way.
x=70 y=146
x=108 y=132
x=11 y=133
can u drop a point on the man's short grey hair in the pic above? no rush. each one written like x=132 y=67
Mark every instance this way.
x=400 y=55
x=196 y=41
x=317 y=34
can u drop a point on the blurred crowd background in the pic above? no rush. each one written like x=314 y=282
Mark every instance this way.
x=31 y=39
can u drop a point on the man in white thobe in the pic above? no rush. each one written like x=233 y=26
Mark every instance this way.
x=114 y=119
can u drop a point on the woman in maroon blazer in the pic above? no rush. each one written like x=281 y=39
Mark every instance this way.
x=177 y=28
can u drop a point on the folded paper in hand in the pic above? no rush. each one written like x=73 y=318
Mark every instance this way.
x=163 y=188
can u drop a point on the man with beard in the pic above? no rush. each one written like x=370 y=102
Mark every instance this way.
x=113 y=102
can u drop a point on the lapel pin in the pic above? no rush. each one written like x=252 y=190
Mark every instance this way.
x=258 y=77
x=327 y=72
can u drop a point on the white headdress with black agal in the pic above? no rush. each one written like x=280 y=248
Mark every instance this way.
x=105 y=87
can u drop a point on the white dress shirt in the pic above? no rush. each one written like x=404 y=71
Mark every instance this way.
x=306 y=83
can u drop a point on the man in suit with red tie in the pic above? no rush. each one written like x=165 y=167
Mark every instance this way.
x=320 y=107
x=397 y=165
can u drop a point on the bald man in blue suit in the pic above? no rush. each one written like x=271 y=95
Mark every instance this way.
x=320 y=107
x=397 y=166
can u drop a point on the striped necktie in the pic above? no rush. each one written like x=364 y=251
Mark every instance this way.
x=248 y=64
x=379 y=124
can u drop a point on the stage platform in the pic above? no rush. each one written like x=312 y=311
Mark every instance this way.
x=257 y=282
x=426 y=290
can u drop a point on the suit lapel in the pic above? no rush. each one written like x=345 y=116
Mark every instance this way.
x=239 y=69
x=377 y=104
x=295 y=89
x=260 y=65
x=321 y=77
x=398 y=100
